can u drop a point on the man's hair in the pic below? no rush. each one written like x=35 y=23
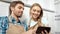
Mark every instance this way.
x=13 y=4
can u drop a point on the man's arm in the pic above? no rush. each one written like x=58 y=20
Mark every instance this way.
x=3 y=24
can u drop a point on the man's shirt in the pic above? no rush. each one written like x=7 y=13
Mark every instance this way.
x=4 y=23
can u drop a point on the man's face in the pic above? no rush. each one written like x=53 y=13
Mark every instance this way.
x=18 y=10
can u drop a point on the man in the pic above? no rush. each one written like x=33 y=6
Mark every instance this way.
x=16 y=10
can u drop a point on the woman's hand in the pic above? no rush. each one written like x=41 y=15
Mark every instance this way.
x=45 y=32
x=34 y=32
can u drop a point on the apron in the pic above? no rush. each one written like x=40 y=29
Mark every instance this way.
x=14 y=29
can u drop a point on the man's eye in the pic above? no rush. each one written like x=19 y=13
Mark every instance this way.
x=23 y=8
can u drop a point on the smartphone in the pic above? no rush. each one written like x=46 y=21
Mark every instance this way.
x=40 y=29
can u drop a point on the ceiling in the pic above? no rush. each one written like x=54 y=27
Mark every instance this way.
x=57 y=1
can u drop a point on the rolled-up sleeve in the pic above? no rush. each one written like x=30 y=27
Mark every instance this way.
x=3 y=24
x=25 y=24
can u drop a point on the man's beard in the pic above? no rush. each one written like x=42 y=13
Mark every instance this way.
x=18 y=16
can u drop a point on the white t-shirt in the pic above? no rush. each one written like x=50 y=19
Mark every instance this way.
x=32 y=23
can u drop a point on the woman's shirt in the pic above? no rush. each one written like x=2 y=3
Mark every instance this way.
x=32 y=23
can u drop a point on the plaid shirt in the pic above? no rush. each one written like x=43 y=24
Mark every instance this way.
x=4 y=24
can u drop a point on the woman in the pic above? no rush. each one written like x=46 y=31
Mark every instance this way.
x=36 y=14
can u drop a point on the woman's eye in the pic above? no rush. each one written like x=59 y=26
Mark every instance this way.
x=38 y=11
x=34 y=10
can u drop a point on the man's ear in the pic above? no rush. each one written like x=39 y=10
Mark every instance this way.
x=12 y=8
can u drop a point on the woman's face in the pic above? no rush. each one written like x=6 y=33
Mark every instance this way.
x=35 y=12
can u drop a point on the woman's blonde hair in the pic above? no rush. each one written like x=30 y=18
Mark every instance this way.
x=41 y=13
